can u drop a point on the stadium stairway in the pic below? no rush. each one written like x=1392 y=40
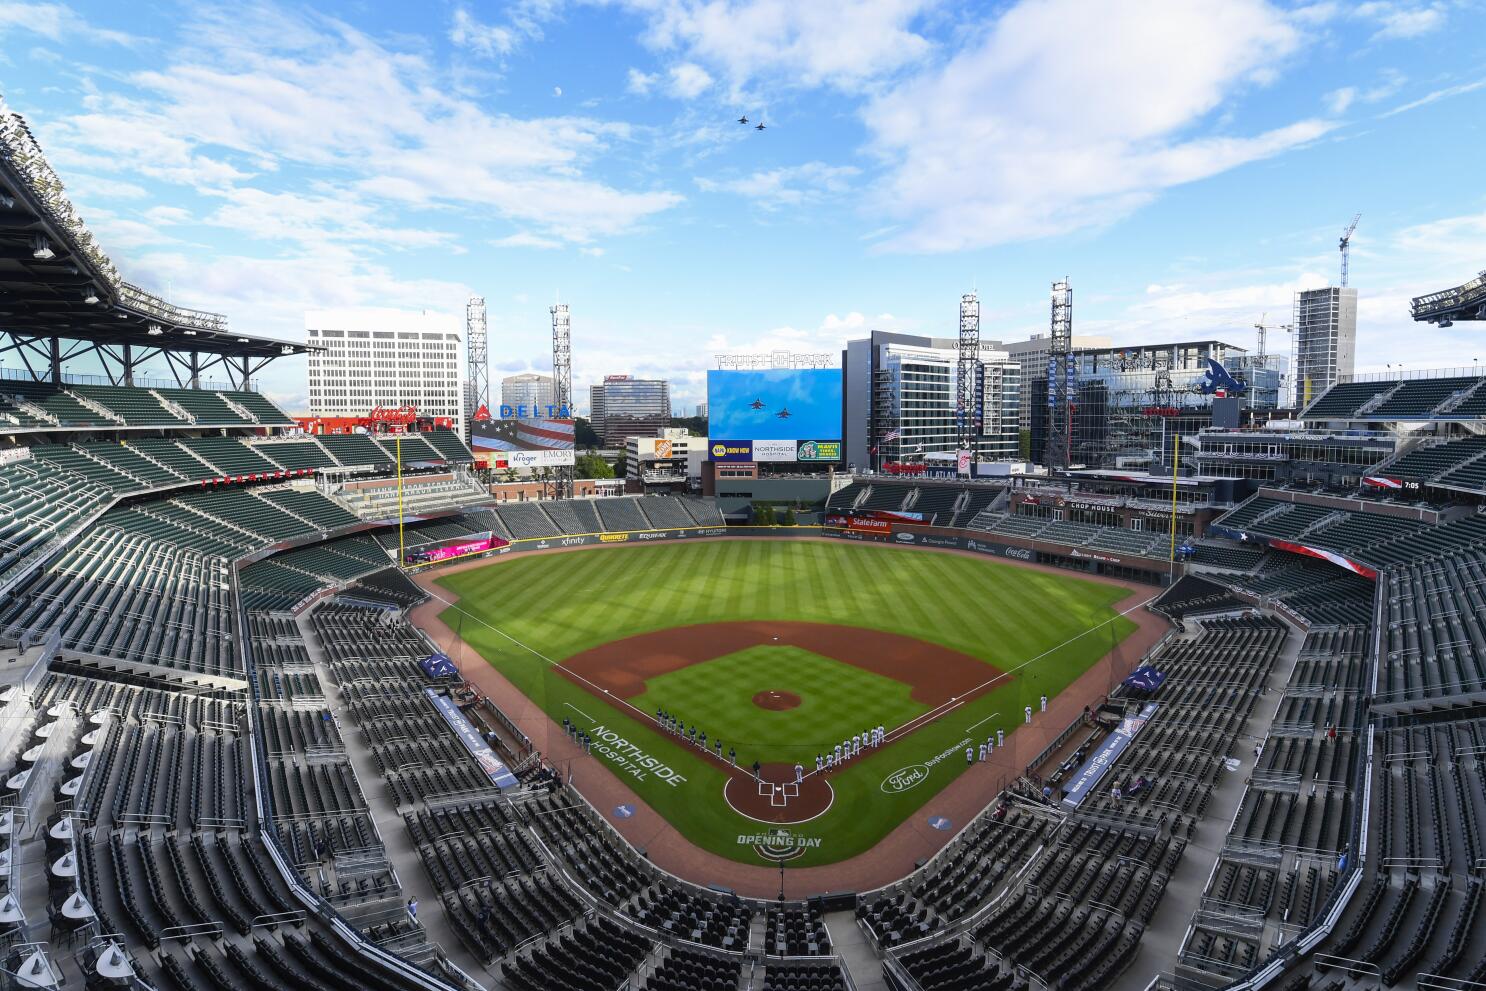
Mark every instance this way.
x=857 y=953
x=398 y=845
x=1163 y=937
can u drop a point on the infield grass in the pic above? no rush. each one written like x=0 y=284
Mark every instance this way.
x=525 y=613
x=835 y=701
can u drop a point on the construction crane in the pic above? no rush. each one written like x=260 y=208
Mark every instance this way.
x=1264 y=329
x=1346 y=246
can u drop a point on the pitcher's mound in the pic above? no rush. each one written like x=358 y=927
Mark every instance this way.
x=776 y=701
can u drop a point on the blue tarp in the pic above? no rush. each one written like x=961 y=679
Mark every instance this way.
x=1145 y=679
x=438 y=666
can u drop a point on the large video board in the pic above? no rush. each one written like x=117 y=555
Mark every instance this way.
x=774 y=414
x=525 y=437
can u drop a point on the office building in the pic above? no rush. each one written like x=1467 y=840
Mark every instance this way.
x=1129 y=402
x=387 y=358
x=666 y=461
x=529 y=391
x=1031 y=356
x=900 y=400
x=624 y=406
x=1325 y=340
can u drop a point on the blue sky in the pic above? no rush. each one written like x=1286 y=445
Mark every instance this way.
x=1187 y=164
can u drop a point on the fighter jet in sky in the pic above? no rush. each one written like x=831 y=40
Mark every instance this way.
x=757 y=404
x=783 y=414
x=743 y=119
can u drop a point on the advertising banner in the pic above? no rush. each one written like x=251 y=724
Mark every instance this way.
x=475 y=543
x=1087 y=777
x=774 y=450
x=818 y=450
x=525 y=437
x=495 y=769
x=962 y=462
x=730 y=450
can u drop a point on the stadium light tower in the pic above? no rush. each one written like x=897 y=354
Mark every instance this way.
x=1060 y=378
x=562 y=381
x=965 y=380
x=479 y=366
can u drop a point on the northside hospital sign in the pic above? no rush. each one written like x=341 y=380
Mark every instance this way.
x=630 y=759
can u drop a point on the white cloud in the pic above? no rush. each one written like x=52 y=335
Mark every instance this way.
x=526 y=239
x=1402 y=20
x=592 y=252
x=689 y=80
x=314 y=220
x=788 y=186
x=523 y=23
x=640 y=83
x=844 y=44
x=1436 y=96
x=272 y=91
x=1337 y=101
x=1013 y=139
x=56 y=21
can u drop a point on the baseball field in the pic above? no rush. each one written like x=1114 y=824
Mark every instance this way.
x=779 y=651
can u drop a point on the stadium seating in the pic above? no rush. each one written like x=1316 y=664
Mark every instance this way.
x=619 y=515
x=229 y=456
x=295 y=454
x=137 y=407
x=260 y=407
x=449 y=444
x=204 y=407
x=354 y=449
x=1425 y=462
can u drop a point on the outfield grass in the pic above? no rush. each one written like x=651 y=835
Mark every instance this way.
x=835 y=701
x=555 y=606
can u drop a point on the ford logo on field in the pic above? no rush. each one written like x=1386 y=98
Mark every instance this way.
x=906 y=538
x=905 y=778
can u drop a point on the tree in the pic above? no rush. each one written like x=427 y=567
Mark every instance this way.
x=621 y=465
x=695 y=425
x=590 y=464
x=787 y=518
x=1024 y=443
x=763 y=514
x=583 y=433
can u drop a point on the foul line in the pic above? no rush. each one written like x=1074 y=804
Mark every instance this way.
x=945 y=708
x=938 y=712
x=985 y=720
x=578 y=711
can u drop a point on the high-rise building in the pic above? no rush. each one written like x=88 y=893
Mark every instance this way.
x=528 y=390
x=623 y=406
x=1129 y=402
x=1325 y=340
x=380 y=357
x=1031 y=355
x=900 y=398
x=702 y=411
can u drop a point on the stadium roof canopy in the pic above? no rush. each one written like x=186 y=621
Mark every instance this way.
x=57 y=284
x=1467 y=302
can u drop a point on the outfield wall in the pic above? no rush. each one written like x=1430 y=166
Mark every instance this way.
x=1096 y=562
x=623 y=537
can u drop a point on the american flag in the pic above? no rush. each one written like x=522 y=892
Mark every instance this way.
x=891 y=435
